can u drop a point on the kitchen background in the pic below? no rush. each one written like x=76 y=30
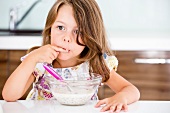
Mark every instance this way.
x=138 y=31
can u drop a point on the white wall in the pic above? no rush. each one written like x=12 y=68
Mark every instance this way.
x=120 y=16
x=35 y=19
x=136 y=16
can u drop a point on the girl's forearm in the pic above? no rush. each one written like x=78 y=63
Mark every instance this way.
x=15 y=85
x=131 y=93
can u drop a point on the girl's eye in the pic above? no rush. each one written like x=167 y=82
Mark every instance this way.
x=61 y=28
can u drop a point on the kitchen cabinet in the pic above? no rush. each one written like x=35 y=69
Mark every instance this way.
x=152 y=79
x=9 y=60
x=3 y=69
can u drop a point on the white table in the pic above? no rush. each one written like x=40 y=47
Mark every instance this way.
x=23 y=106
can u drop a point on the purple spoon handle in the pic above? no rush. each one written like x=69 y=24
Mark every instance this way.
x=52 y=72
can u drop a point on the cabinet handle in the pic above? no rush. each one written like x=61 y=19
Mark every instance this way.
x=152 y=61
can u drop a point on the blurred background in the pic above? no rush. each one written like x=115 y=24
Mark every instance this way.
x=138 y=32
x=30 y=13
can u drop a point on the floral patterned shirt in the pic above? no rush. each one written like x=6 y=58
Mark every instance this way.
x=41 y=91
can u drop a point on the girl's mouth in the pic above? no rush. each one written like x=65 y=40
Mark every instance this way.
x=66 y=49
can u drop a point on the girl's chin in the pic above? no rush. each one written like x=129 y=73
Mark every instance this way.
x=63 y=57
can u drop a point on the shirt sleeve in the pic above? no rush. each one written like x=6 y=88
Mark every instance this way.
x=111 y=62
x=38 y=70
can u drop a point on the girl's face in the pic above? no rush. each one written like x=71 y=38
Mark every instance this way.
x=64 y=33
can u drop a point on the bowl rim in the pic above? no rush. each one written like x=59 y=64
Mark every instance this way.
x=52 y=80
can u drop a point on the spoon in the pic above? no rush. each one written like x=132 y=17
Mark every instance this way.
x=56 y=75
x=52 y=72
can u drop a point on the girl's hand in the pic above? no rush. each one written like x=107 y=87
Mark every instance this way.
x=46 y=53
x=115 y=104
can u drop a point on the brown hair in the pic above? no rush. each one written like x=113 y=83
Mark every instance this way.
x=89 y=20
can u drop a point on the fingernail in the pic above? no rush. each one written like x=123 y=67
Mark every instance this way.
x=65 y=49
x=111 y=111
x=117 y=111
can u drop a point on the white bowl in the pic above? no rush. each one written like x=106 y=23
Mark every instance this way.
x=75 y=92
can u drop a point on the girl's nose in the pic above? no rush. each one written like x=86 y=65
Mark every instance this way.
x=66 y=39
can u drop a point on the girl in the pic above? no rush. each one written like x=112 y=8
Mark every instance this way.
x=74 y=39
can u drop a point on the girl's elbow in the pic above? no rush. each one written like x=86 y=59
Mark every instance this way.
x=7 y=97
x=9 y=100
x=137 y=94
